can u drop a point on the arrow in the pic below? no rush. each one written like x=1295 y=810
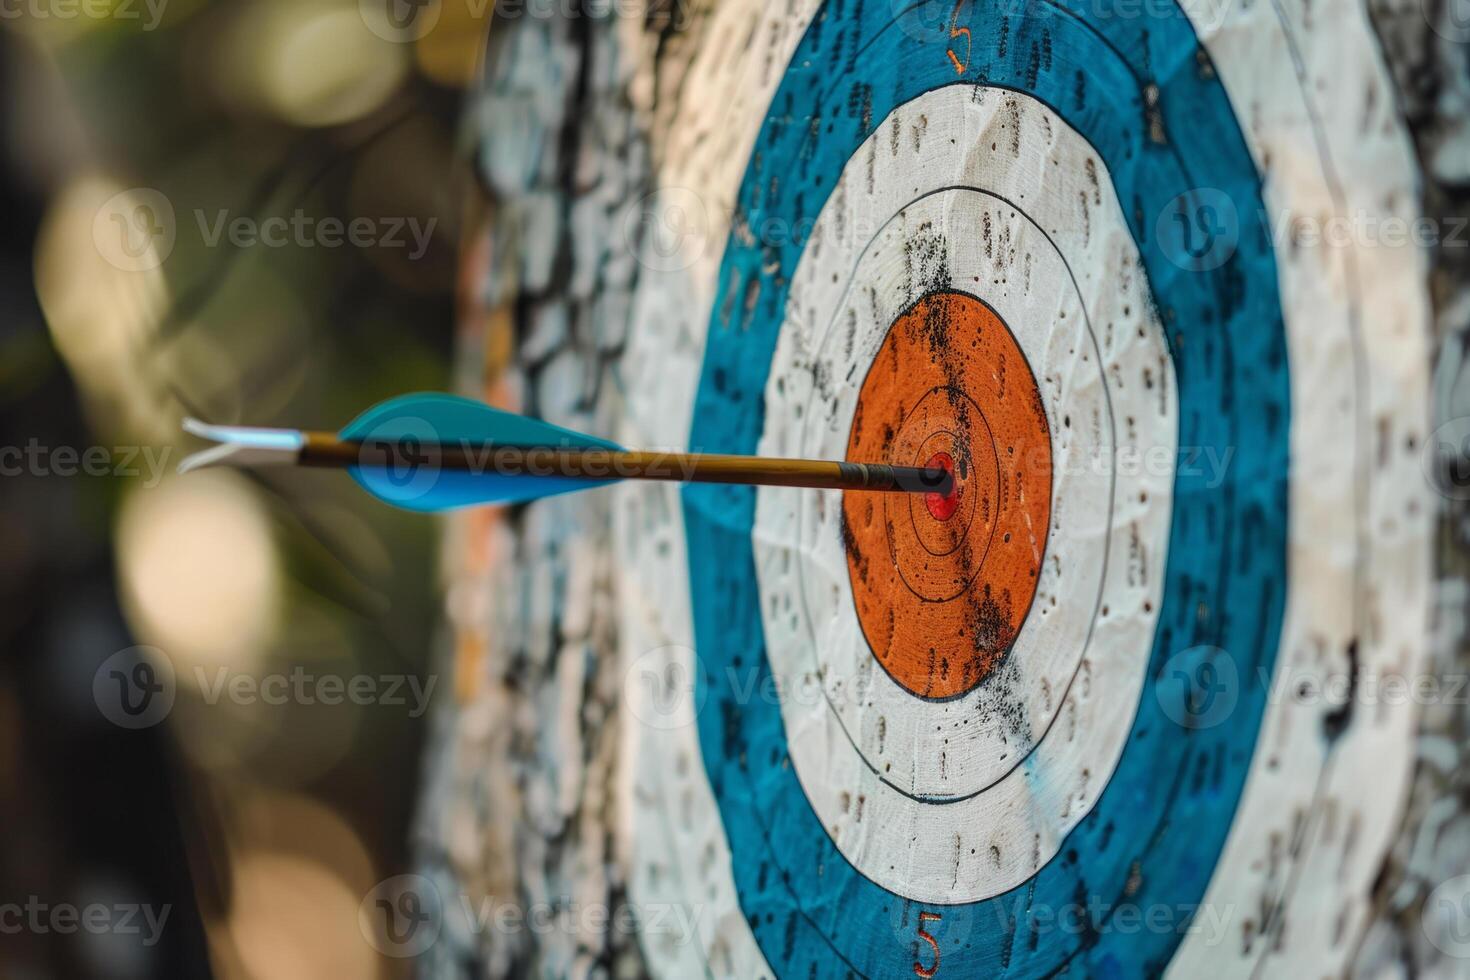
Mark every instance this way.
x=433 y=452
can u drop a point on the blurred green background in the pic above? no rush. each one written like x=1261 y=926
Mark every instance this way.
x=248 y=211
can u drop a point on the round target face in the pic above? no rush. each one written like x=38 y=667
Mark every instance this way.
x=979 y=662
x=1031 y=245
x=952 y=639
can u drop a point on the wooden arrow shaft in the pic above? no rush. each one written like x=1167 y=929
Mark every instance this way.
x=325 y=449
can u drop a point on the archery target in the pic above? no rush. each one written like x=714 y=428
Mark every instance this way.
x=1038 y=245
x=953 y=696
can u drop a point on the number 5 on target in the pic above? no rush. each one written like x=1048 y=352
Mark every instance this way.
x=956 y=31
x=919 y=969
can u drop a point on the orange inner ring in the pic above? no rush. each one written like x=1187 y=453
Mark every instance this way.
x=943 y=583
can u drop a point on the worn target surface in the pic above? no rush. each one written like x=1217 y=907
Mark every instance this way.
x=1034 y=245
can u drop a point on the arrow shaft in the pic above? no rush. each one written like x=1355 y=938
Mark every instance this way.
x=326 y=449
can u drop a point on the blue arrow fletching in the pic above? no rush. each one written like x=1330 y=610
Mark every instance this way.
x=415 y=421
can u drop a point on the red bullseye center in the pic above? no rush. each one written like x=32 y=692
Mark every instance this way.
x=942 y=506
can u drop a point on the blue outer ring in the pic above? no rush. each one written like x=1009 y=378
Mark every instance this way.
x=1155 y=834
